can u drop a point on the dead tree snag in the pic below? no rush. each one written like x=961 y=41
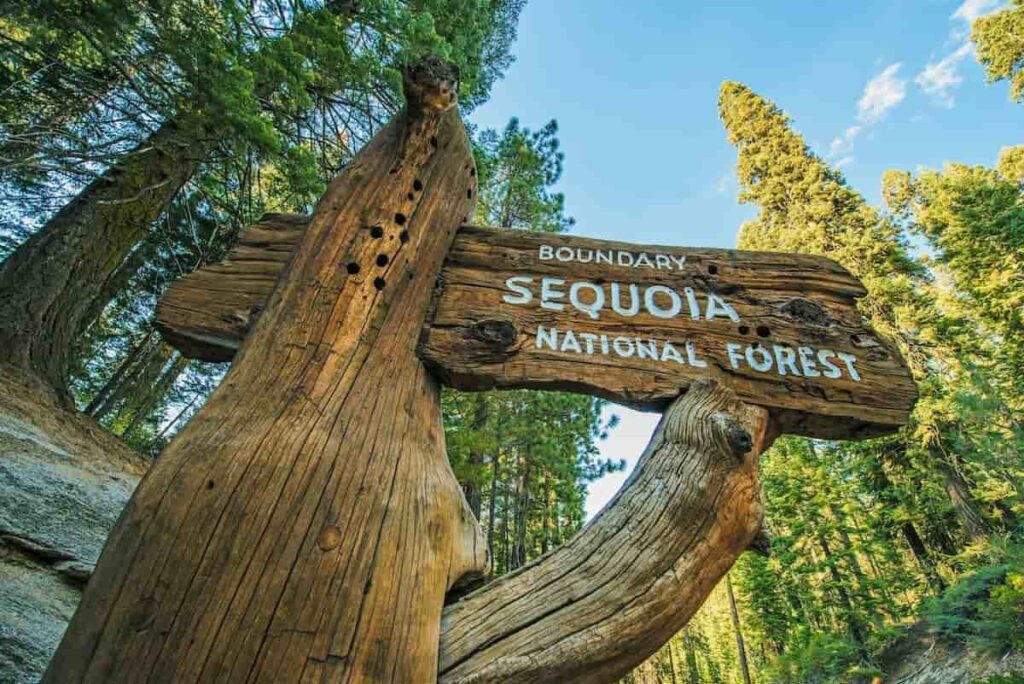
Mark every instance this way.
x=593 y=609
x=306 y=525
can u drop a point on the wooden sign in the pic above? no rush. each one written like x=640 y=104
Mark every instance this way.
x=631 y=323
x=635 y=323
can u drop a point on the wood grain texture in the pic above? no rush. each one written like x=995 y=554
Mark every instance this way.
x=305 y=525
x=475 y=340
x=208 y=313
x=591 y=610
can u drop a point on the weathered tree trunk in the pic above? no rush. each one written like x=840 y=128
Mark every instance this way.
x=959 y=492
x=306 y=525
x=50 y=285
x=56 y=283
x=598 y=606
x=117 y=380
x=145 y=402
x=741 y=647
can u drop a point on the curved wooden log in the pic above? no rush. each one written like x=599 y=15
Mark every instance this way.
x=305 y=525
x=593 y=609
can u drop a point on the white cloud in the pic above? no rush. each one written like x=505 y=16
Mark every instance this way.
x=974 y=9
x=844 y=143
x=882 y=93
x=845 y=161
x=938 y=79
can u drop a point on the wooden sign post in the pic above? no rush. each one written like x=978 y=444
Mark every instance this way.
x=306 y=526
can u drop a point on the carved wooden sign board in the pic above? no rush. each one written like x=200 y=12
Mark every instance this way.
x=631 y=323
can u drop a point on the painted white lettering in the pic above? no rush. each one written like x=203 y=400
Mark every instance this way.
x=589 y=338
x=569 y=342
x=669 y=352
x=523 y=294
x=625 y=259
x=623 y=347
x=679 y=261
x=546 y=337
x=716 y=304
x=634 y=300
x=807 y=364
x=691 y=300
x=563 y=254
x=656 y=310
x=663 y=262
x=733 y=350
x=604 y=256
x=785 y=358
x=604 y=345
x=691 y=356
x=579 y=255
x=643 y=260
x=831 y=370
x=546 y=253
x=590 y=308
x=763 y=364
x=850 y=360
x=549 y=293
x=646 y=350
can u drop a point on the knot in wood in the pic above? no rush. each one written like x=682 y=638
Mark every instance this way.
x=808 y=311
x=731 y=436
x=499 y=334
x=431 y=84
x=329 y=538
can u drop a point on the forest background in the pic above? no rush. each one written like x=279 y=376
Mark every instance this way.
x=138 y=138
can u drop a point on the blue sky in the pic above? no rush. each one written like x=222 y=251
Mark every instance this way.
x=872 y=85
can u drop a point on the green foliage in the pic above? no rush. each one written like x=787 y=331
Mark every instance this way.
x=986 y=607
x=825 y=659
x=1000 y=41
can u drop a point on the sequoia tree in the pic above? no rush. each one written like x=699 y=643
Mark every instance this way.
x=806 y=206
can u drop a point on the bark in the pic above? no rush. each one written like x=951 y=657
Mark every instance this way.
x=56 y=283
x=117 y=380
x=306 y=525
x=53 y=285
x=145 y=404
x=595 y=608
x=741 y=648
x=959 y=492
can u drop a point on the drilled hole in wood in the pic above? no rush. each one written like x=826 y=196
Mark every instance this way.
x=404 y=236
x=379 y=283
x=209 y=484
x=376 y=232
x=433 y=141
x=712 y=269
x=352 y=267
x=472 y=171
x=855 y=339
x=417 y=185
x=744 y=330
x=763 y=331
x=400 y=219
x=410 y=196
x=469 y=194
x=382 y=259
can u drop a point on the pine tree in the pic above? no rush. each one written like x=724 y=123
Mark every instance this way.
x=805 y=206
